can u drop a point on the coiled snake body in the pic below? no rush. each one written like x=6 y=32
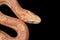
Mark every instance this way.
x=17 y=23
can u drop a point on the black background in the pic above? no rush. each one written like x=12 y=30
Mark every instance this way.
x=40 y=8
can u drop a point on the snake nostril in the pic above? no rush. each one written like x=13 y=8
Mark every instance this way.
x=6 y=10
x=11 y=32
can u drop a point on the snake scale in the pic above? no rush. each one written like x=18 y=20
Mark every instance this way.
x=17 y=24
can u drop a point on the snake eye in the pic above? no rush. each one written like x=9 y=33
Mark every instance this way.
x=11 y=32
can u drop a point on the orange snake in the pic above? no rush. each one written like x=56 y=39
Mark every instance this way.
x=17 y=23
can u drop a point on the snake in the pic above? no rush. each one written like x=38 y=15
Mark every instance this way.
x=18 y=24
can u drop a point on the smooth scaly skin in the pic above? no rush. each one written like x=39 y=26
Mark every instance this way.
x=23 y=14
x=17 y=24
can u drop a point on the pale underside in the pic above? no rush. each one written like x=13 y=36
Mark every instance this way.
x=17 y=23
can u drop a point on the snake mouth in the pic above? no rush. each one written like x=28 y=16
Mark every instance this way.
x=34 y=22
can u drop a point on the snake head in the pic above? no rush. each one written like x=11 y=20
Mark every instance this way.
x=30 y=17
